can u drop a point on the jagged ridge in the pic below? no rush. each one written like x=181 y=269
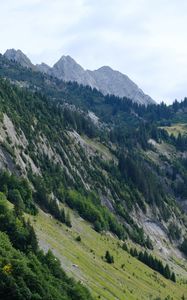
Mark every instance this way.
x=104 y=79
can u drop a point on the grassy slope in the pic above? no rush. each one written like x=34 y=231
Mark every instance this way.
x=175 y=129
x=83 y=261
x=103 y=150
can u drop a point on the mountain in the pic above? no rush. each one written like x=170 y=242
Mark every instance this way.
x=113 y=82
x=104 y=79
x=44 y=68
x=19 y=57
x=68 y=70
x=102 y=181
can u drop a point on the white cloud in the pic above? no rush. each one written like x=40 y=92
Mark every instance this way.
x=145 y=39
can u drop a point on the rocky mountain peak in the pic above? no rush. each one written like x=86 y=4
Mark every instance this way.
x=105 y=69
x=113 y=82
x=67 y=59
x=44 y=68
x=19 y=57
x=105 y=79
x=68 y=69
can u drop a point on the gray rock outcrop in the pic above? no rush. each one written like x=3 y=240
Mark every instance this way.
x=105 y=79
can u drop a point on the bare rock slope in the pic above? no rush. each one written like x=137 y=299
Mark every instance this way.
x=105 y=79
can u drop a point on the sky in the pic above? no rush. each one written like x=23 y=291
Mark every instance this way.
x=144 y=39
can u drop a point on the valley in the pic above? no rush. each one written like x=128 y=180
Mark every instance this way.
x=103 y=181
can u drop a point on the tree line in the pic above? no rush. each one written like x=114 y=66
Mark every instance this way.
x=151 y=262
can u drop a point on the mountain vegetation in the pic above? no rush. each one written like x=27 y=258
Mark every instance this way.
x=25 y=271
x=152 y=262
x=67 y=69
x=68 y=148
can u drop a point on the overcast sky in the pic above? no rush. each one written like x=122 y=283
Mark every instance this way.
x=145 y=39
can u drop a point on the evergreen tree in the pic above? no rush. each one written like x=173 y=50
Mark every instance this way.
x=32 y=239
x=167 y=272
x=68 y=220
x=109 y=258
x=173 y=277
x=18 y=202
x=124 y=247
x=62 y=216
x=184 y=246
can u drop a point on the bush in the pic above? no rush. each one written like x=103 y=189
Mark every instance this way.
x=78 y=238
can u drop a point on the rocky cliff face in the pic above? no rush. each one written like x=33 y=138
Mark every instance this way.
x=68 y=70
x=105 y=79
x=19 y=57
x=44 y=68
x=113 y=82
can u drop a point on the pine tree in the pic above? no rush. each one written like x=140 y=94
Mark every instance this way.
x=135 y=252
x=98 y=226
x=167 y=272
x=62 y=216
x=32 y=239
x=109 y=258
x=18 y=202
x=173 y=277
x=124 y=247
x=184 y=246
x=68 y=220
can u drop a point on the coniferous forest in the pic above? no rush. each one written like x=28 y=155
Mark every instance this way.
x=118 y=173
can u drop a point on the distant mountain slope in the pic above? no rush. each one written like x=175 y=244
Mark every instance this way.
x=104 y=79
x=68 y=70
x=19 y=57
x=113 y=82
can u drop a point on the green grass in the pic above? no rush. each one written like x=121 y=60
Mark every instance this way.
x=100 y=148
x=83 y=260
x=175 y=129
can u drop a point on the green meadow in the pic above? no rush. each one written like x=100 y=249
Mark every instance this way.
x=127 y=278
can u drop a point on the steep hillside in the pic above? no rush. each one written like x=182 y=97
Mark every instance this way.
x=47 y=145
x=126 y=278
x=25 y=271
x=113 y=163
x=87 y=166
